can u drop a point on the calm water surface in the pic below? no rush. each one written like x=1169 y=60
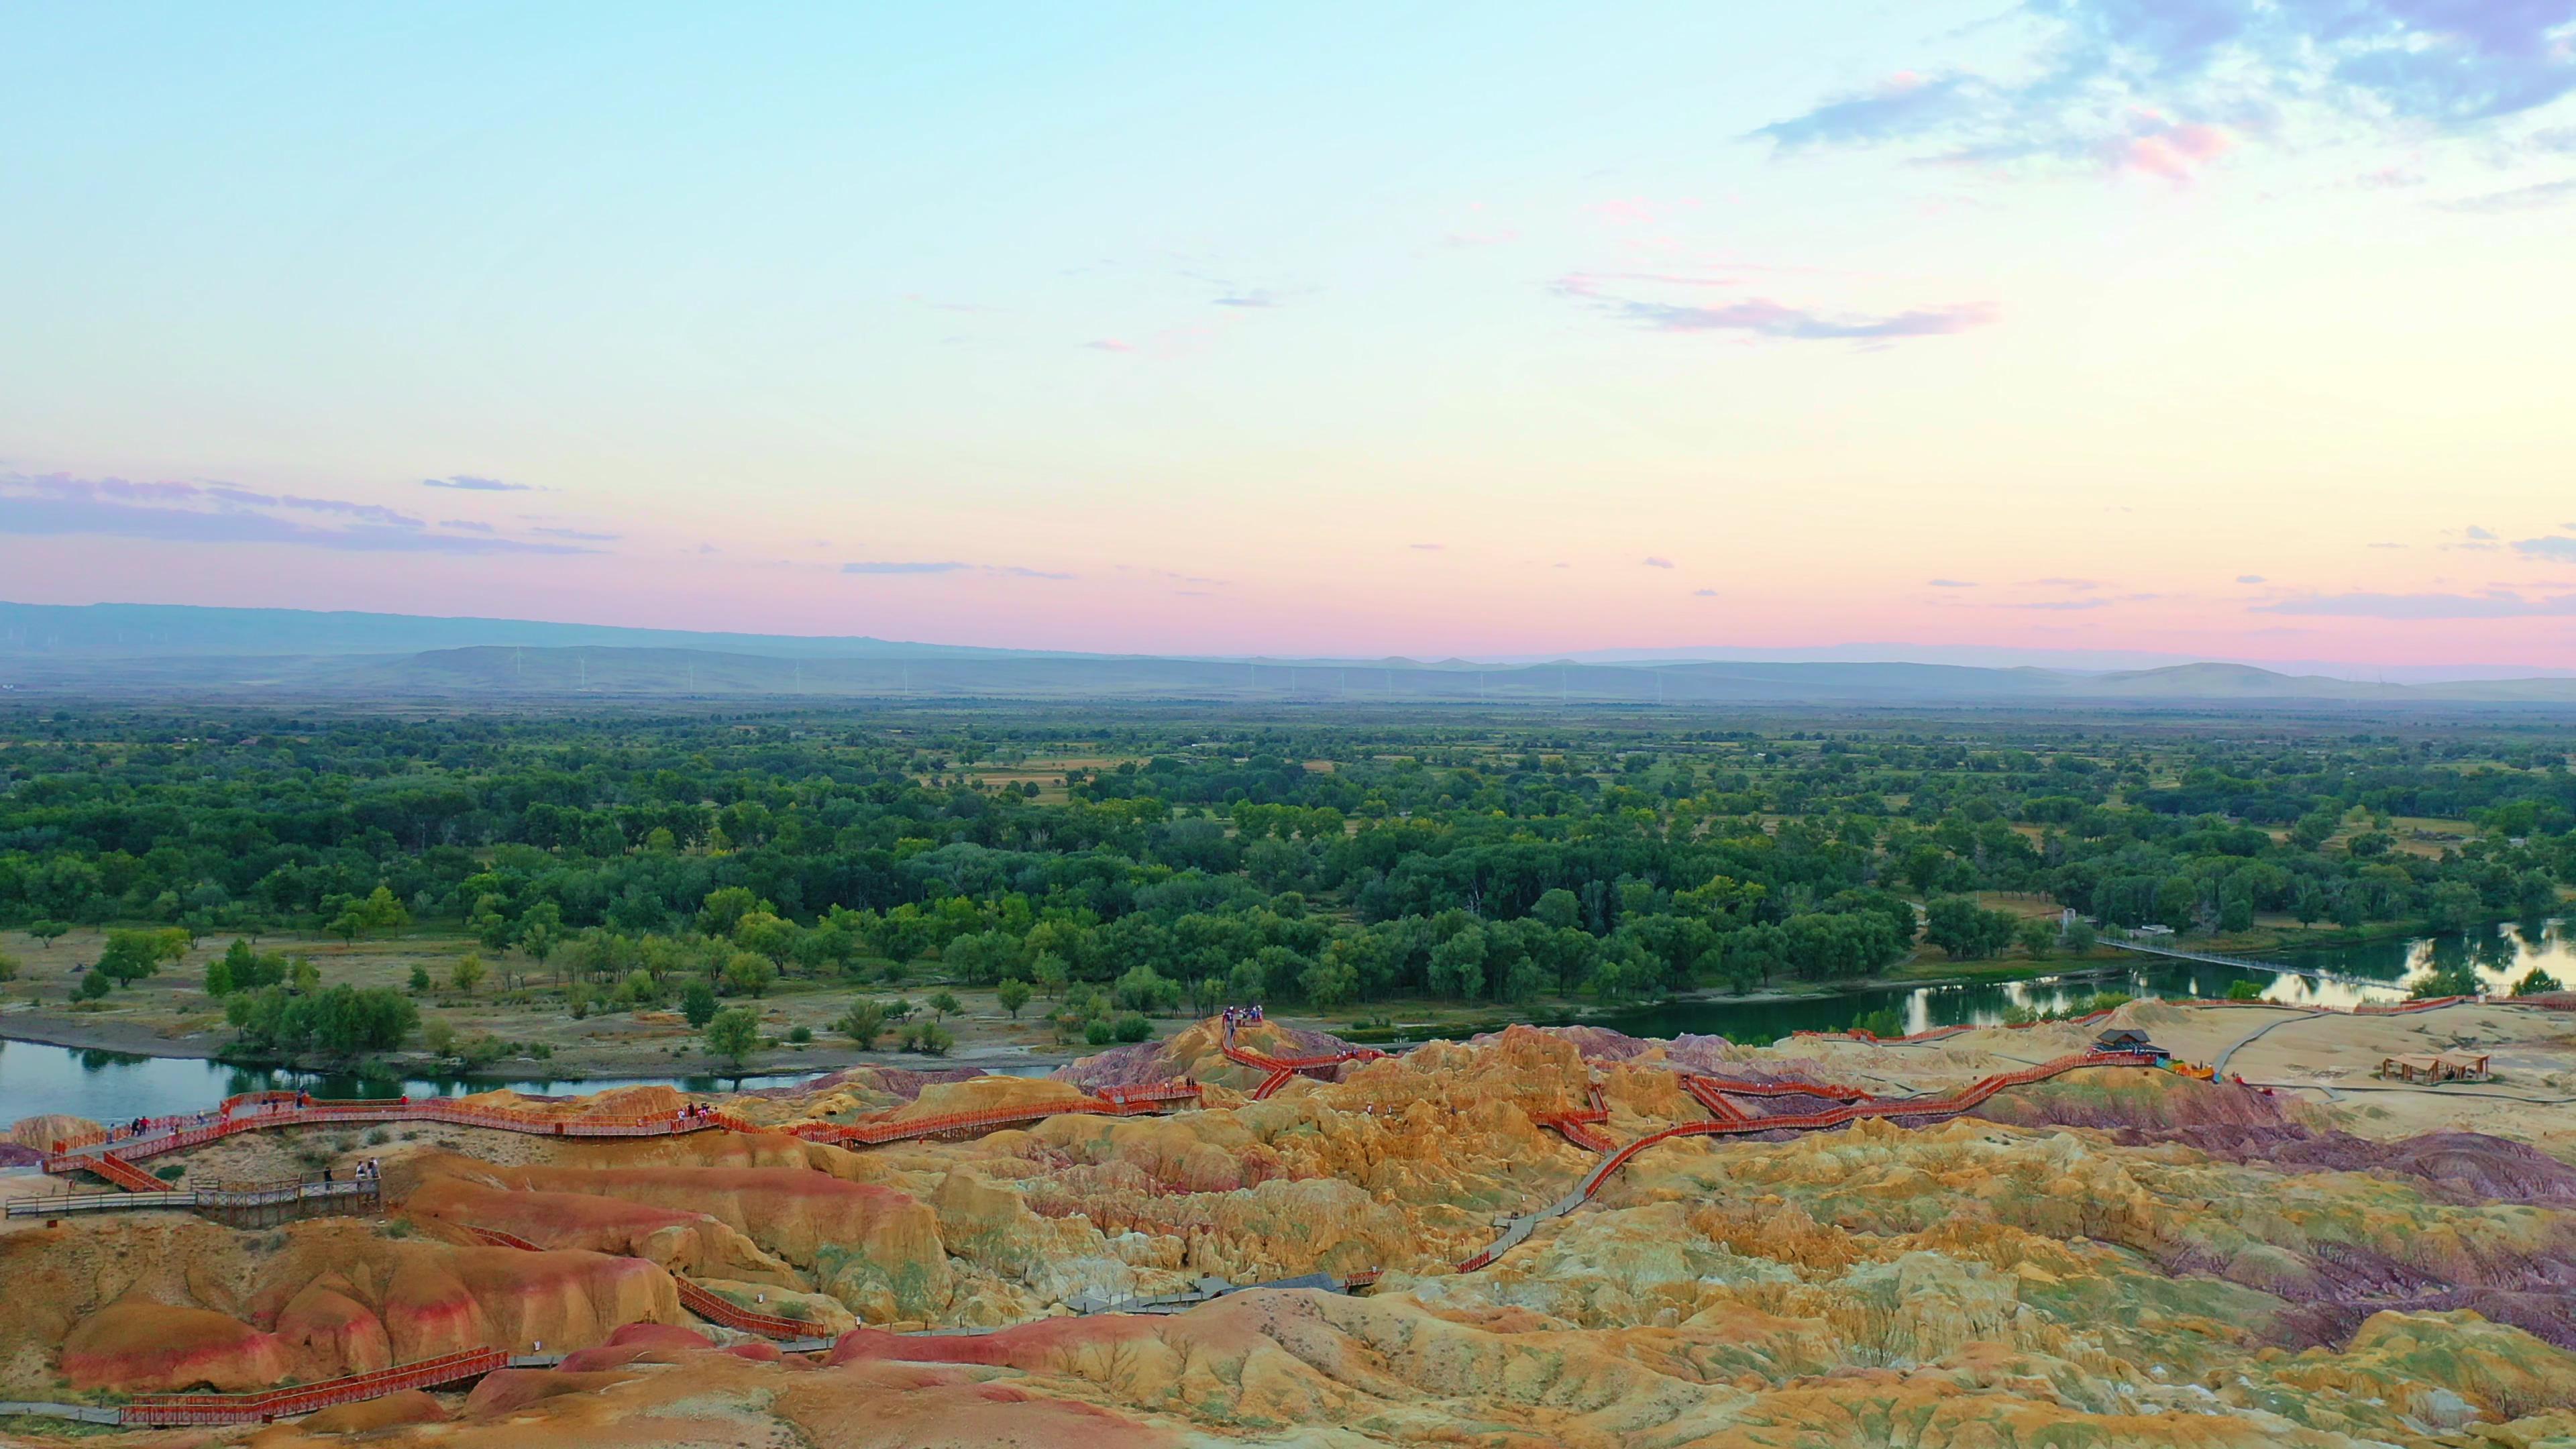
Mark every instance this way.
x=110 y=1087
x=2500 y=956
x=114 y=1087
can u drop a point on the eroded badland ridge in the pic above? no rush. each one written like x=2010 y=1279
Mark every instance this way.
x=2002 y=1236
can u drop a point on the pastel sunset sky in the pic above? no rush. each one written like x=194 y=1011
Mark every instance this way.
x=2221 y=328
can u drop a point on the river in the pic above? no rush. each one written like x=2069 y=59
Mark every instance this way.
x=114 y=1087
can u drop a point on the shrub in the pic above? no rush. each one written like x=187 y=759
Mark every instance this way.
x=2537 y=983
x=698 y=1004
x=1882 y=1023
x=863 y=1023
x=2245 y=991
x=800 y=1034
x=1098 y=1032
x=342 y=1021
x=2447 y=981
x=419 y=979
x=1132 y=1026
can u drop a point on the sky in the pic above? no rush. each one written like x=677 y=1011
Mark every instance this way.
x=2212 y=328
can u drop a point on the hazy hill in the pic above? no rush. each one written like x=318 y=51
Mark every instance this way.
x=243 y=655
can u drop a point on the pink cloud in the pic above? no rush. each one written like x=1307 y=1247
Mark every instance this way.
x=2176 y=153
x=1638 y=210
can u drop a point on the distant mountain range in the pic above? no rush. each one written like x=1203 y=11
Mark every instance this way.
x=245 y=655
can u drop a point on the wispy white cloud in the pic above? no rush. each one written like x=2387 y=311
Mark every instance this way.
x=57 y=504
x=2164 y=86
x=2519 y=198
x=2500 y=604
x=949 y=566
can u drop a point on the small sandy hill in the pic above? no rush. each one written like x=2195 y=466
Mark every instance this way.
x=615 y=1102
x=1197 y=1053
x=42 y=1132
x=2116 y=1097
x=982 y=1094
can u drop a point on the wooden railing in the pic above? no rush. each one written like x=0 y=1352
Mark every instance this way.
x=1951 y=1106
x=1578 y=1124
x=704 y=1302
x=1108 y=1102
x=1283 y=1070
x=164 y=1409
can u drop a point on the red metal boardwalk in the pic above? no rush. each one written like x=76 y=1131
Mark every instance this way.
x=162 y=1409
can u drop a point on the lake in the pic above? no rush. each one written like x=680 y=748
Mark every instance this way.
x=113 y=1087
x=2500 y=956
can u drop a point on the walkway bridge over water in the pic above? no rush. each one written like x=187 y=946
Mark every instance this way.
x=2242 y=963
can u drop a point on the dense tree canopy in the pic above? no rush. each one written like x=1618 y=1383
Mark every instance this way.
x=1178 y=859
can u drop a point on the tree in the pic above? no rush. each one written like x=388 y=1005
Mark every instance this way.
x=94 y=984
x=541 y=931
x=48 y=932
x=348 y=925
x=1013 y=995
x=863 y=1023
x=304 y=975
x=419 y=978
x=2458 y=980
x=1050 y=973
x=748 y=974
x=2453 y=906
x=2081 y=938
x=724 y=909
x=767 y=933
x=341 y=1022
x=2537 y=983
x=382 y=911
x=1966 y=930
x=733 y=1034
x=467 y=973
x=1329 y=982
x=2038 y=939
x=439 y=1035
x=130 y=956
x=1458 y=965
x=944 y=1004
x=2244 y=990
x=698 y=1003
x=241 y=968
x=1884 y=1024
x=1145 y=989
x=8 y=967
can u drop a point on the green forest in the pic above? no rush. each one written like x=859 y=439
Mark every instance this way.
x=1329 y=858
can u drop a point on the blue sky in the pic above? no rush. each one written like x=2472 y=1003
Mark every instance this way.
x=1359 y=329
